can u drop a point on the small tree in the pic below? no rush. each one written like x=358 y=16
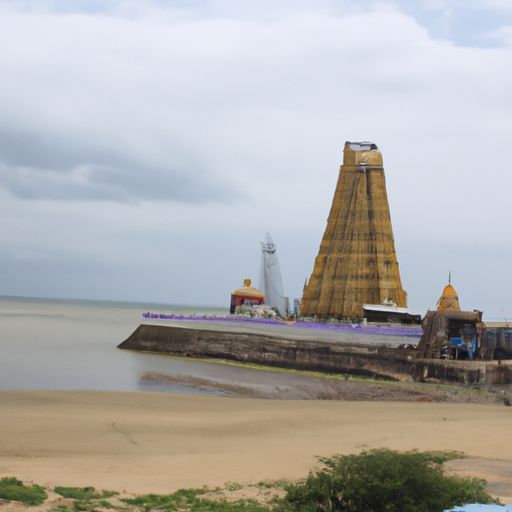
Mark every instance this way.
x=384 y=481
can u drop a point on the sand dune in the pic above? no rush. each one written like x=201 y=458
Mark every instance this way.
x=156 y=442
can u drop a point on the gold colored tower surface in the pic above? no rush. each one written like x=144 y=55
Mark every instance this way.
x=449 y=299
x=357 y=262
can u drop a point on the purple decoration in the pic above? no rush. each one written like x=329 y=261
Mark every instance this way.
x=380 y=330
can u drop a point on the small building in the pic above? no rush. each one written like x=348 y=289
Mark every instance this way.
x=247 y=295
x=450 y=333
x=389 y=313
x=498 y=340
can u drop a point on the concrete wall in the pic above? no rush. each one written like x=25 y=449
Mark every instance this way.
x=355 y=359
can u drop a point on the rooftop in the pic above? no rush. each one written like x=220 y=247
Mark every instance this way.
x=362 y=146
x=362 y=154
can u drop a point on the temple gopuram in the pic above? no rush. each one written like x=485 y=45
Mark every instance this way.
x=357 y=263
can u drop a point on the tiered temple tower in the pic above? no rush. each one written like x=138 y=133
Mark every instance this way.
x=357 y=262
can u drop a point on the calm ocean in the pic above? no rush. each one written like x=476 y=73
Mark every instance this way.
x=71 y=344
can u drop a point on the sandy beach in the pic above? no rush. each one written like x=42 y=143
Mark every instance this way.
x=156 y=442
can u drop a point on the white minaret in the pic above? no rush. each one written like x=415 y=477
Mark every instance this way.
x=271 y=282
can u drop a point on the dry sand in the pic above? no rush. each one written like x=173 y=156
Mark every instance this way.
x=156 y=442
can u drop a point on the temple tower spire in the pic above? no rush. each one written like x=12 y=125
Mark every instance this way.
x=356 y=263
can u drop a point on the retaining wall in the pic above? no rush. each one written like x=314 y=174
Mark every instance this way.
x=335 y=357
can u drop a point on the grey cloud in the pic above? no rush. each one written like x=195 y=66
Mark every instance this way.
x=45 y=166
x=30 y=149
x=96 y=183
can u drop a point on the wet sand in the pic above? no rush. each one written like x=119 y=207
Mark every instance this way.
x=292 y=385
x=156 y=442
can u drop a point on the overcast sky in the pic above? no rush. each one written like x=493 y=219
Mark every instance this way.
x=147 y=146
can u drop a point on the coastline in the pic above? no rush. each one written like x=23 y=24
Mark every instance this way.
x=157 y=442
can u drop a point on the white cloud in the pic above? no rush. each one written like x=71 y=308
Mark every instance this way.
x=502 y=34
x=481 y=5
x=499 y=5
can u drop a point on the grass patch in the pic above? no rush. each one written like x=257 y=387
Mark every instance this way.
x=229 y=506
x=105 y=504
x=182 y=499
x=91 y=505
x=87 y=499
x=233 y=486
x=83 y=493
x=191 y=500
x=273 y=484
x=12 y=489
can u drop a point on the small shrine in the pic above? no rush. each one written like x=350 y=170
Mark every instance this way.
x=246 y=295
x=451 y=333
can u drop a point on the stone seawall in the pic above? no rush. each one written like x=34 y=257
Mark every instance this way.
x=351 y=358
x=463 y=372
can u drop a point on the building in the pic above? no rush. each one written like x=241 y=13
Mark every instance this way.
x=247 y=295
x=498 y=340
x=389 y=313
x=356 y=263
x=450 y=333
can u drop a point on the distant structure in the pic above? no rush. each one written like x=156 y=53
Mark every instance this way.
x=296 y=307
x=498 y=338
x=389 y=313
x=271 y=281
x=247 y=295
x=357 y=263
x=450 y=333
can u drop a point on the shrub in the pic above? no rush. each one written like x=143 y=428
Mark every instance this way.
x=83 y=493
x=12 y=489
x=191 y=500
x=182 y=498
x=384 y=480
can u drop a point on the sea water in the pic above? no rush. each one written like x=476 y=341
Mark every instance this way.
x=71 y=344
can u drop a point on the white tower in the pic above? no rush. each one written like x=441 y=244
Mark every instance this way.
x=271 y=282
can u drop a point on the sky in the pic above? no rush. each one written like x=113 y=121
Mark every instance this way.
x=146 y=147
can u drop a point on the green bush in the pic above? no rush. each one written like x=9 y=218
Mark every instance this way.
x=83 y=493
x=384 y=480
x=228 y=506
x=179 y=500
x=191 y=500
x=12 y=489
x=60 y=508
